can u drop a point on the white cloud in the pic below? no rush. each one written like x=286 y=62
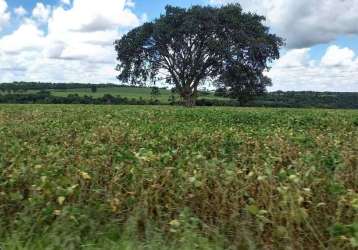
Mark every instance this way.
x=20 y=11
x=306 y=22
x=88 y=52
x=45 y=69
x=66 y=2
x=336 y=56
x=4 y=14
x=26 y=38
x=41 y=12
x=87 y=30
x=336 y=71
x=95 y=15
x=130 y=3
x=294 y=58
x=77 y=45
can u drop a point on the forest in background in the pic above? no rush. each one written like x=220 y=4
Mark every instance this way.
x=108 y=93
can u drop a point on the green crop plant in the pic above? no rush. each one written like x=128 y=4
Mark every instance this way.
x=120 y=177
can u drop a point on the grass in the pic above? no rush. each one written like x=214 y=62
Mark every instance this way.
x=129 y=92
x=105 y=177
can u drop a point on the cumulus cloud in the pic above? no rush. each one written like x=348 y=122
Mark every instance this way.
x=87 y=30
x=90 y=16
x=27 y=37
x=294 y=58
x=337 y=70
x=130 y=3
x=66 y=2
x=41 y=12
x=306 y=22
x=73 y=42
x=69 y=71
x=336 y=56
x=20 y=11
x=4 y=14
x=76 y=46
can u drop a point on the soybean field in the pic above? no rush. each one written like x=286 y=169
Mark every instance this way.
x=140 y=177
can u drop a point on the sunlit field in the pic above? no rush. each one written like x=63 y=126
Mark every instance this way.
x=126 y=92
x=130 y=177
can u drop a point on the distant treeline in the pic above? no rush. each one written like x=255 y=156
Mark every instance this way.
x=307 y=99
x=45 y=97
x=15 y=87
x=17 y=93
x=276 y=99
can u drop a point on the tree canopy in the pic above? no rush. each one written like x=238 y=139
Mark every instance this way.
x=188 y=47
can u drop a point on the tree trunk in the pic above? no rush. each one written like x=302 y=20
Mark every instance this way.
x=188 y=95
x=189 y=101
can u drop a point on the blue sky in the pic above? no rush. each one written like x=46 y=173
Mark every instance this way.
x=152 y=8
x=141 y=6
x=37 y=42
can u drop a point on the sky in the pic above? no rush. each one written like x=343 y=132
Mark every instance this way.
x=72 y=40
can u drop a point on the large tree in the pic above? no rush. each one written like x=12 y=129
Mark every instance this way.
x=189 y=47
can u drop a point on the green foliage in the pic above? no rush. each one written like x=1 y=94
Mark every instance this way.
x=25 y=86
x=93 y=88
x=105 y=177
x=308 y=99
x=155 y=92
x=186 y=47
x=82 y=94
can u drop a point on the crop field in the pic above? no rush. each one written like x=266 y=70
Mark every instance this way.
x=129 y=177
